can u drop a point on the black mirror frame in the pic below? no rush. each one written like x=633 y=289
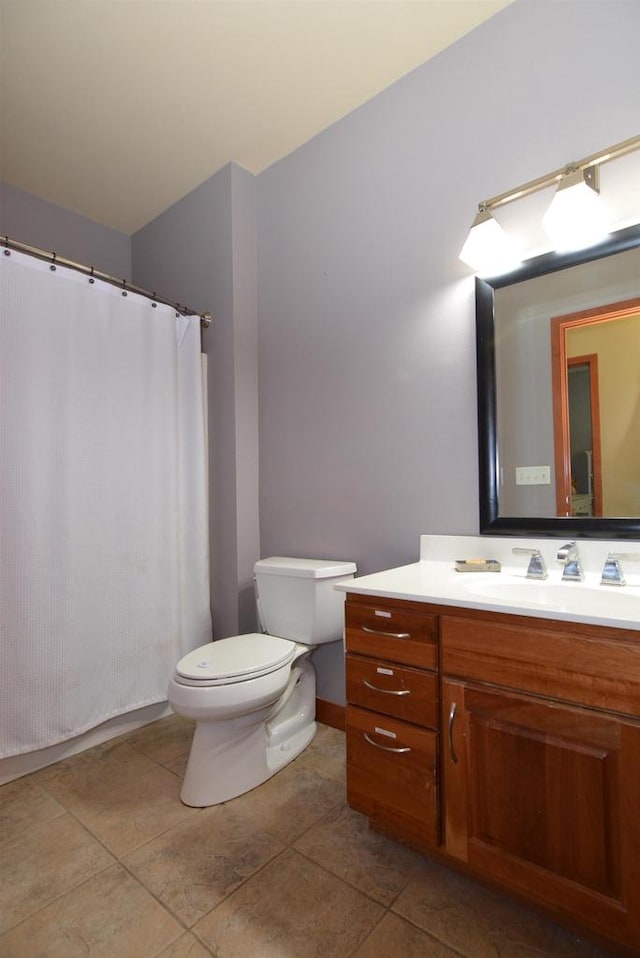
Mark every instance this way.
x=491 y=523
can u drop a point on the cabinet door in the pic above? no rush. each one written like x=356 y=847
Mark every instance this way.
x=543 y=797
x=391 y=775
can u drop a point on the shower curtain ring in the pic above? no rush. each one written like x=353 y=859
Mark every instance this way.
x=91 y=279
x=124 y=291
x=53 y=263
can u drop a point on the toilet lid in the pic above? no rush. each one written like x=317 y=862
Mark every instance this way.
x=235 y=658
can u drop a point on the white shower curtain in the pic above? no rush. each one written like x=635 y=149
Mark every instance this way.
x=104 y=579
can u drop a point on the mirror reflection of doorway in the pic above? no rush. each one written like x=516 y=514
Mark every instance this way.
x=584 y=435
x=590 y=386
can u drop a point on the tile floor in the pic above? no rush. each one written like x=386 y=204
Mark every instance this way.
x=99 y=858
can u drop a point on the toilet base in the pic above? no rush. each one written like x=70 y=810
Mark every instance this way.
x=231 y=757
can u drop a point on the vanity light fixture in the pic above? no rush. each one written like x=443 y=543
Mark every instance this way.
x=488 y=249
x=575 y=218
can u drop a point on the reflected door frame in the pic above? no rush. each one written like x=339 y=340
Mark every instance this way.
x=591 y=362
x=560 y=326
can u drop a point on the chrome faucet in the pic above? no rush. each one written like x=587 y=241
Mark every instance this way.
x=537 y=569
x=569 y=557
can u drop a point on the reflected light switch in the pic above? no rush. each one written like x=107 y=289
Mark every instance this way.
x=533 y=475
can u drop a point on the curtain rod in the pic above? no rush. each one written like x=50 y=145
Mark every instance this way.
x=55 y=260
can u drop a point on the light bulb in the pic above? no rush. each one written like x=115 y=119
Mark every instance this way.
x=488 y=250
x=575 y=218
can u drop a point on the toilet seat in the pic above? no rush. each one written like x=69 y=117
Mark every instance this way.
x=235 y=659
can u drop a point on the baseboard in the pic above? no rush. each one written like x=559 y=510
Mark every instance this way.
x=329 y=713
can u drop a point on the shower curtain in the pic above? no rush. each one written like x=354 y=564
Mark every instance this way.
x=104 y=579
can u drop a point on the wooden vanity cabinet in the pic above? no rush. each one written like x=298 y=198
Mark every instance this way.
x=392 y=717
x=541 y=793
x=534 y=725
x=507 y=745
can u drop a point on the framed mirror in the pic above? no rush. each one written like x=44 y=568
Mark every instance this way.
x=524 y=419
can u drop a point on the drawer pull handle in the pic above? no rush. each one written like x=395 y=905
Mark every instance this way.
x=393 y=635
x=386 y=748
x=452 y=718
x=386 y=691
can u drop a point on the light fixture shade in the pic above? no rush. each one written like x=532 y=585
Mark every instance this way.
x=576 y=218
x=488 y=250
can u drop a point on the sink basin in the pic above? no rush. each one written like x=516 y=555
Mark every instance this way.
x=563 y=596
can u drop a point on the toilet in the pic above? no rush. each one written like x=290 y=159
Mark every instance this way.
x=253 y=696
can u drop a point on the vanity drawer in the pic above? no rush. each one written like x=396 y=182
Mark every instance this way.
x=589 y=665
x=396 y=690
x=392 y=775
x=389 y=631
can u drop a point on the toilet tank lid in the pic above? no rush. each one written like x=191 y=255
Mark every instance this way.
x=309 y=568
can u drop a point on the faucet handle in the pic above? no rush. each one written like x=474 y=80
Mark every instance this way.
x=537 y=569
x=612 y=573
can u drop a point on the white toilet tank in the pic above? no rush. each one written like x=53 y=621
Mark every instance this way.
x=297 y=600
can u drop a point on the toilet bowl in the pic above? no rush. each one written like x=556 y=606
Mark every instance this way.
x=253 y=695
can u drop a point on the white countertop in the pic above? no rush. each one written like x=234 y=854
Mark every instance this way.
x=435 y=580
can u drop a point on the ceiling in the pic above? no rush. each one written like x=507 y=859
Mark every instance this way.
x=117 y=108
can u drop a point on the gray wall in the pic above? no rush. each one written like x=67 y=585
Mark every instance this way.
x=202 y=252
x=366 y=322
x=366 y=315
x=36 y=222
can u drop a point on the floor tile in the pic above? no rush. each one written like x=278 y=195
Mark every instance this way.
x=290 y=909
x=396 y=938
x=44 y=862
x=109 y=915
x=290 y=802
x=178 y=765
x=326 y=754
x=285 y=871
x=164 y=741
x=110 y=761
x=343 y=843
x=477 y=922
x=198 y=863
x=187 y=946
x=24 y=804
x=127 y=813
